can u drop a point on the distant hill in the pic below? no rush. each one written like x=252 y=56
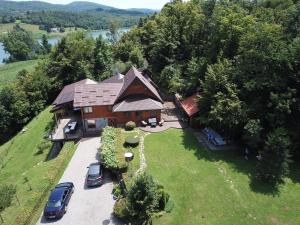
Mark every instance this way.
x=79 y=6
x=146 y=11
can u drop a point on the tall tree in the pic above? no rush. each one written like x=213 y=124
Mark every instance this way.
x=275 y=157
x=46 y=47
x=20 y=44
x=102 y=58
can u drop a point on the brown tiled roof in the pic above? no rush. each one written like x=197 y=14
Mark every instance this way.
x=96 y=94
x=119 y=78
x=190 y=105
x=67 y=94
x=131 y=75
x=137 y=104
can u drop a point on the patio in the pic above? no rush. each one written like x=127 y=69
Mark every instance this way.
x=59 y=133
x=172 y=118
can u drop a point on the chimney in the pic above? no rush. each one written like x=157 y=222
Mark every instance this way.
x=120 y=76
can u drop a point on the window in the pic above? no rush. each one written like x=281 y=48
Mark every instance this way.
x=127 y=114
x=109 y=108
x=138 y=113
x=91 y=124
x=88 y=109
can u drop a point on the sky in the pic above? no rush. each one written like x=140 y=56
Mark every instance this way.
x=122 y=4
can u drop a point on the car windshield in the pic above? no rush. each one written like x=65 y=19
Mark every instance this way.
x=56 y=203
x=94 y=170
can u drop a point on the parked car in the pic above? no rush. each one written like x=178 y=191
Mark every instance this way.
x=95 y=175
x=58 y=200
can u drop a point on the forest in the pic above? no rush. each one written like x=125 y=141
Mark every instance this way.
x=85 y=15
x=95 y=20
x=241 y=56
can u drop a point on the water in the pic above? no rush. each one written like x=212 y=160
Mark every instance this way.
x=3 y=54
x=54 y=40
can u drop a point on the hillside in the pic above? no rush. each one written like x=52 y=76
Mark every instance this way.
x=8 y=72
x=79 y=6
x=20 y=159
x=80 y=14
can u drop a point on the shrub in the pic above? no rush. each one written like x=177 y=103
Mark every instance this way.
x=121 y=210
x=108 y=149
x=163 y=198
x=7 y=193
x=143 y=198
x=117 y=191
x=130 y=125
x=132 y=141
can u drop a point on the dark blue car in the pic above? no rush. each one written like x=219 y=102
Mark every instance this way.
x=58 y=200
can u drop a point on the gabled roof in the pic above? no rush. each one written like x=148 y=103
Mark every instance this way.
x=133 y=74
x=96 y=94
x=190 y=105
x=67 y=94
x=137 y=104
x=119 y=78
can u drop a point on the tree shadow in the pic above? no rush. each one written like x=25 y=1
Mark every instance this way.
x=294 y=174
x=234 y=158
x=264 y=188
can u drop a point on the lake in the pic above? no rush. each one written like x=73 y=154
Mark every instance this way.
x=54 y=40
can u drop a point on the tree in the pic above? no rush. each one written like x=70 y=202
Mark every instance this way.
x=220 y=106
x=20 y=44
x=6 y=195
x=143 y=198
x=46 y=47
x=275 y=157
x=252 y=134
x=102 y=58
x=136 y=57
x=113 y=34
x=71 y=60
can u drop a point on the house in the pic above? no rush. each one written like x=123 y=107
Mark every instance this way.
x=113 y=102
x=190 y=108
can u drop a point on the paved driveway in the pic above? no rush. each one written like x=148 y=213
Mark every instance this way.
x=87 y=206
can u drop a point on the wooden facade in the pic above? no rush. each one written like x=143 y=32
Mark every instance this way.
x=112 y=102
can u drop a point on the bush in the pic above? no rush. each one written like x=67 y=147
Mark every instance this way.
x=121 y=210
x=163 y=198
x=117 y=191
x=130 y=126
x=143 y=198
x=108 y=149
x=132 y=141
x=7 y=193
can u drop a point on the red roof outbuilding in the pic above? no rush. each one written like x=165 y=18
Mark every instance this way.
x=190 y=105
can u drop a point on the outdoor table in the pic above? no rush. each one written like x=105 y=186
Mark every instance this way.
x=67 y=130
x=72 y=125
x=152 y=121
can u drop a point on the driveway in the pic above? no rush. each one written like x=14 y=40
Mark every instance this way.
x=88 y=206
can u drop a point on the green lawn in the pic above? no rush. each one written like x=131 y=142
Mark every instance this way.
x=19 y=160
x=121 y=150
x=214 y=187
x=37 y=33
x=8 y=72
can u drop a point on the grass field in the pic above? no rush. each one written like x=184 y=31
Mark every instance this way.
x=37 y=33
x=8 y=72
x=19 y=159
x=214 y=187
x=121 y=150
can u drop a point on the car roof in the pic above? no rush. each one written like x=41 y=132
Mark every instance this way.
x=57 y=194
x=94 y=169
